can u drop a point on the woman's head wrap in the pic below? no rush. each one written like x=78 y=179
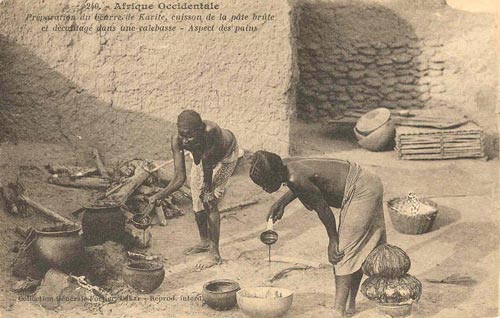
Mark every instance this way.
x=266 y=168
x=189 y=119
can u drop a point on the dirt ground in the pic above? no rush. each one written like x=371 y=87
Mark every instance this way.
x=463 y=241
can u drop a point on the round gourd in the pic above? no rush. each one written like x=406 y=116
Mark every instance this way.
x=371 y=288
x=392 y=290
x=414 y=285
x=387 y=261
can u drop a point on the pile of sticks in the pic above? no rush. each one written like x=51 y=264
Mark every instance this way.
x=129 y=184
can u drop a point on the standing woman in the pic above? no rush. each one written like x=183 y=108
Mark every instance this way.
x=320 y=184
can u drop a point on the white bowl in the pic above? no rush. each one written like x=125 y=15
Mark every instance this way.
x=264 y=302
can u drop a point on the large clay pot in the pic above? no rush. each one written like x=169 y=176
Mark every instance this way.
x=375 y=130
x=59 y=247
x=101 y=224
x=380 y=139
x=144 y=276
x=220 y=294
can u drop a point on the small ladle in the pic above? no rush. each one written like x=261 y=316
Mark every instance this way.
x=269 y=236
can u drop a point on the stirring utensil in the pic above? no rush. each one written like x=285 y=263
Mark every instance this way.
x=269 y=237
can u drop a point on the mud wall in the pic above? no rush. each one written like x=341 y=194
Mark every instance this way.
x=396 y=54
x=121 y=91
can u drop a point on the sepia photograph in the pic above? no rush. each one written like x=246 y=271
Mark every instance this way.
x=249 y=159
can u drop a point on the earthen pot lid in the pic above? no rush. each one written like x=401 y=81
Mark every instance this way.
x=372 y=120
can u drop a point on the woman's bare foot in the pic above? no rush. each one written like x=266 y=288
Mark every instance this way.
x=208 y=261
x=199 y=248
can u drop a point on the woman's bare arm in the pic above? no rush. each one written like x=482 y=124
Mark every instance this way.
x=179 y=170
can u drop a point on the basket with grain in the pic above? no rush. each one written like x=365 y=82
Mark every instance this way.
x=412 y=215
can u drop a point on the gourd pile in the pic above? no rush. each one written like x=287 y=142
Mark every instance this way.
x=389 y=282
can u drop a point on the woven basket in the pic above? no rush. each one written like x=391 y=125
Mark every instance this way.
x=411 y=224
x=394 y=310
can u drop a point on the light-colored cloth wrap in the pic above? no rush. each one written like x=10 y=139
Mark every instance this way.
x=361 y=225
x=220 y=178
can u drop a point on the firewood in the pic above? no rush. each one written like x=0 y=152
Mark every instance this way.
x=9 y=197
x=84 y=182
x=23 y=232
x=147 y=190
x=27 y=284
x=38 y=207
x=168 y=213
x=74 y=171
x=112 y=190
x=300 y=262
x=285 y=271
x=142 y=257
x=130 y=185
x=171 y=210
x=11 y=194
x=137 y=197
x=99 y=164
x=239 y=206
x=454 y=279
x=150 y=190
x=160 y=215
x=96 y=290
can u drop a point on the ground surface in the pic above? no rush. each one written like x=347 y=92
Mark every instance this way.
x=463 y=241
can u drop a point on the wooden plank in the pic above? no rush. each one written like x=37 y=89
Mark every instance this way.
x=438 y=151
x=439 y=145
x=445 y=156
x=458 y=146
x=439 y=137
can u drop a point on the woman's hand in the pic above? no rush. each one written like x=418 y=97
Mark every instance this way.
x=334 y=255
x=276 y=212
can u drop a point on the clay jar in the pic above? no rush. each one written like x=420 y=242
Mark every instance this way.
x=375 y=130
x=220 y=294
x=144 y=276
x=59 y=246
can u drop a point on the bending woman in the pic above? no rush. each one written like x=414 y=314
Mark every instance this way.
x=323 y=183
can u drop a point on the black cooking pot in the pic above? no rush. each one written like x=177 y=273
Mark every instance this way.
x=103 y=223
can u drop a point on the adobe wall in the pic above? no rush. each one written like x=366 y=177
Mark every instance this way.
x=121 y=91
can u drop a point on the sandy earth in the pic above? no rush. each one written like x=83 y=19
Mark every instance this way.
x=464 y=239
